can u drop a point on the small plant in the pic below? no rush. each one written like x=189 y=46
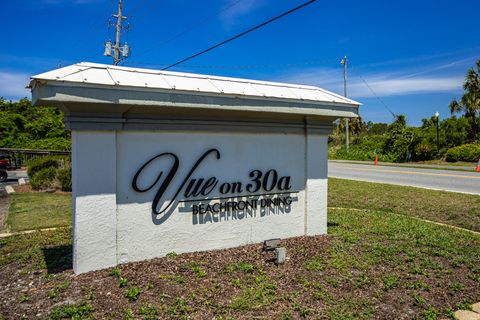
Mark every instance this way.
x=172 y=255
x=149 y=312
x=122 y=282
x=179 y=307
x=429 y=313
x=195 y=268
x=236 y=282
x=71 y=311
x=240 y=266
x=89 y=292
x=418 y=300
x=390 y=282
x=115 y=272
x=179 y=279
x=317 y=263
x=129 y=315
x=361 y=281
x=455 y=286
x=23 y=298
x=52 y=294
x=133 y=293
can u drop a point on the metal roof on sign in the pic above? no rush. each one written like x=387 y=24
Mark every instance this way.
x=89 y=74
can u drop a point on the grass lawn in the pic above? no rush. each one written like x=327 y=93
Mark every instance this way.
x=35 y=210
x=374 y=264
x=461 y=210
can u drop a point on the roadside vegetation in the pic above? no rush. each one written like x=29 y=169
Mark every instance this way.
x=377 y=262
x=33 y=210
x=51 y=172
x=23 y=126
x=457 y=209
x=459 y=137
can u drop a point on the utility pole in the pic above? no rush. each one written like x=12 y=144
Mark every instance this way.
x=345 y=63
x=119 y=51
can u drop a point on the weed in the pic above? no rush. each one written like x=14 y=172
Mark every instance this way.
x=71 y=311
x=418 y=300
x=23 y=298
x=390 y=282
x=240 y=266
x=52 y=294
x=236 y=282
x=195 y=268
x=172 y=255
x=317 y=263
x=122 y=282
x=455 y=286
x=89 y=292
x=133 y=293
x=302 y=311
x=429 y=313
x=179 y=279
x=179 y=307
x=263 y=292
x=129 y=315
x=361 y=281
x=149 y=311
x=115 y=272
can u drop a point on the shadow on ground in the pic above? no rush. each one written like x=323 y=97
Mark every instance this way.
x=58 y=258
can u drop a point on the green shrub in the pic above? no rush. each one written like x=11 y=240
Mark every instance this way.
x=39 y=164
x=468 y=152
x=43 y=179
x=424 y=151
x=64 y=176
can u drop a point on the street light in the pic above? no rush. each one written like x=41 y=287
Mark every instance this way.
x=437 y=115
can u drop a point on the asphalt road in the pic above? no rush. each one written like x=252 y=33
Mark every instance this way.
x=456 y=181
x=13 y=177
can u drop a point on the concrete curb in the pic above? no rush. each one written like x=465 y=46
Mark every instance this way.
x=10 y=234
x=9 y=189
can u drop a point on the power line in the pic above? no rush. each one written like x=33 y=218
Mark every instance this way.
x=373 y=92
x=240 y=34
x=248 y=66
x=194 y=26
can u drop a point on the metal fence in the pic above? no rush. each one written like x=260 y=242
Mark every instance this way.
x=19 y=157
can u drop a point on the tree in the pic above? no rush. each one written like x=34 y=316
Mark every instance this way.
x=470 y=102
x=355 y=125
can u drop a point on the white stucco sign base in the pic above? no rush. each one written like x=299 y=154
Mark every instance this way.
x=159 y=171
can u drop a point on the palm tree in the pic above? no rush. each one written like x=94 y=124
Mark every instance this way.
x=470 y=102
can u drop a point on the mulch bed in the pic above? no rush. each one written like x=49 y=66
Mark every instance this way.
x=173 y=287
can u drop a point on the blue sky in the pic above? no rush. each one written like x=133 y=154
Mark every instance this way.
x=413 y=54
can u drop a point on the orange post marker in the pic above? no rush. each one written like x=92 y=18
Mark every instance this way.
x=376 y=160
x=478 y=166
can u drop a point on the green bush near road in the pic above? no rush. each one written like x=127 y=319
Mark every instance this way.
x=468 y=152
x=50 y=172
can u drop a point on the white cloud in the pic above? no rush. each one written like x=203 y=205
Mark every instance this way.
x=12 y=85
x=383 y=84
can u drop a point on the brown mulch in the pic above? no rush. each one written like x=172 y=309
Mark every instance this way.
x=298 y=292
